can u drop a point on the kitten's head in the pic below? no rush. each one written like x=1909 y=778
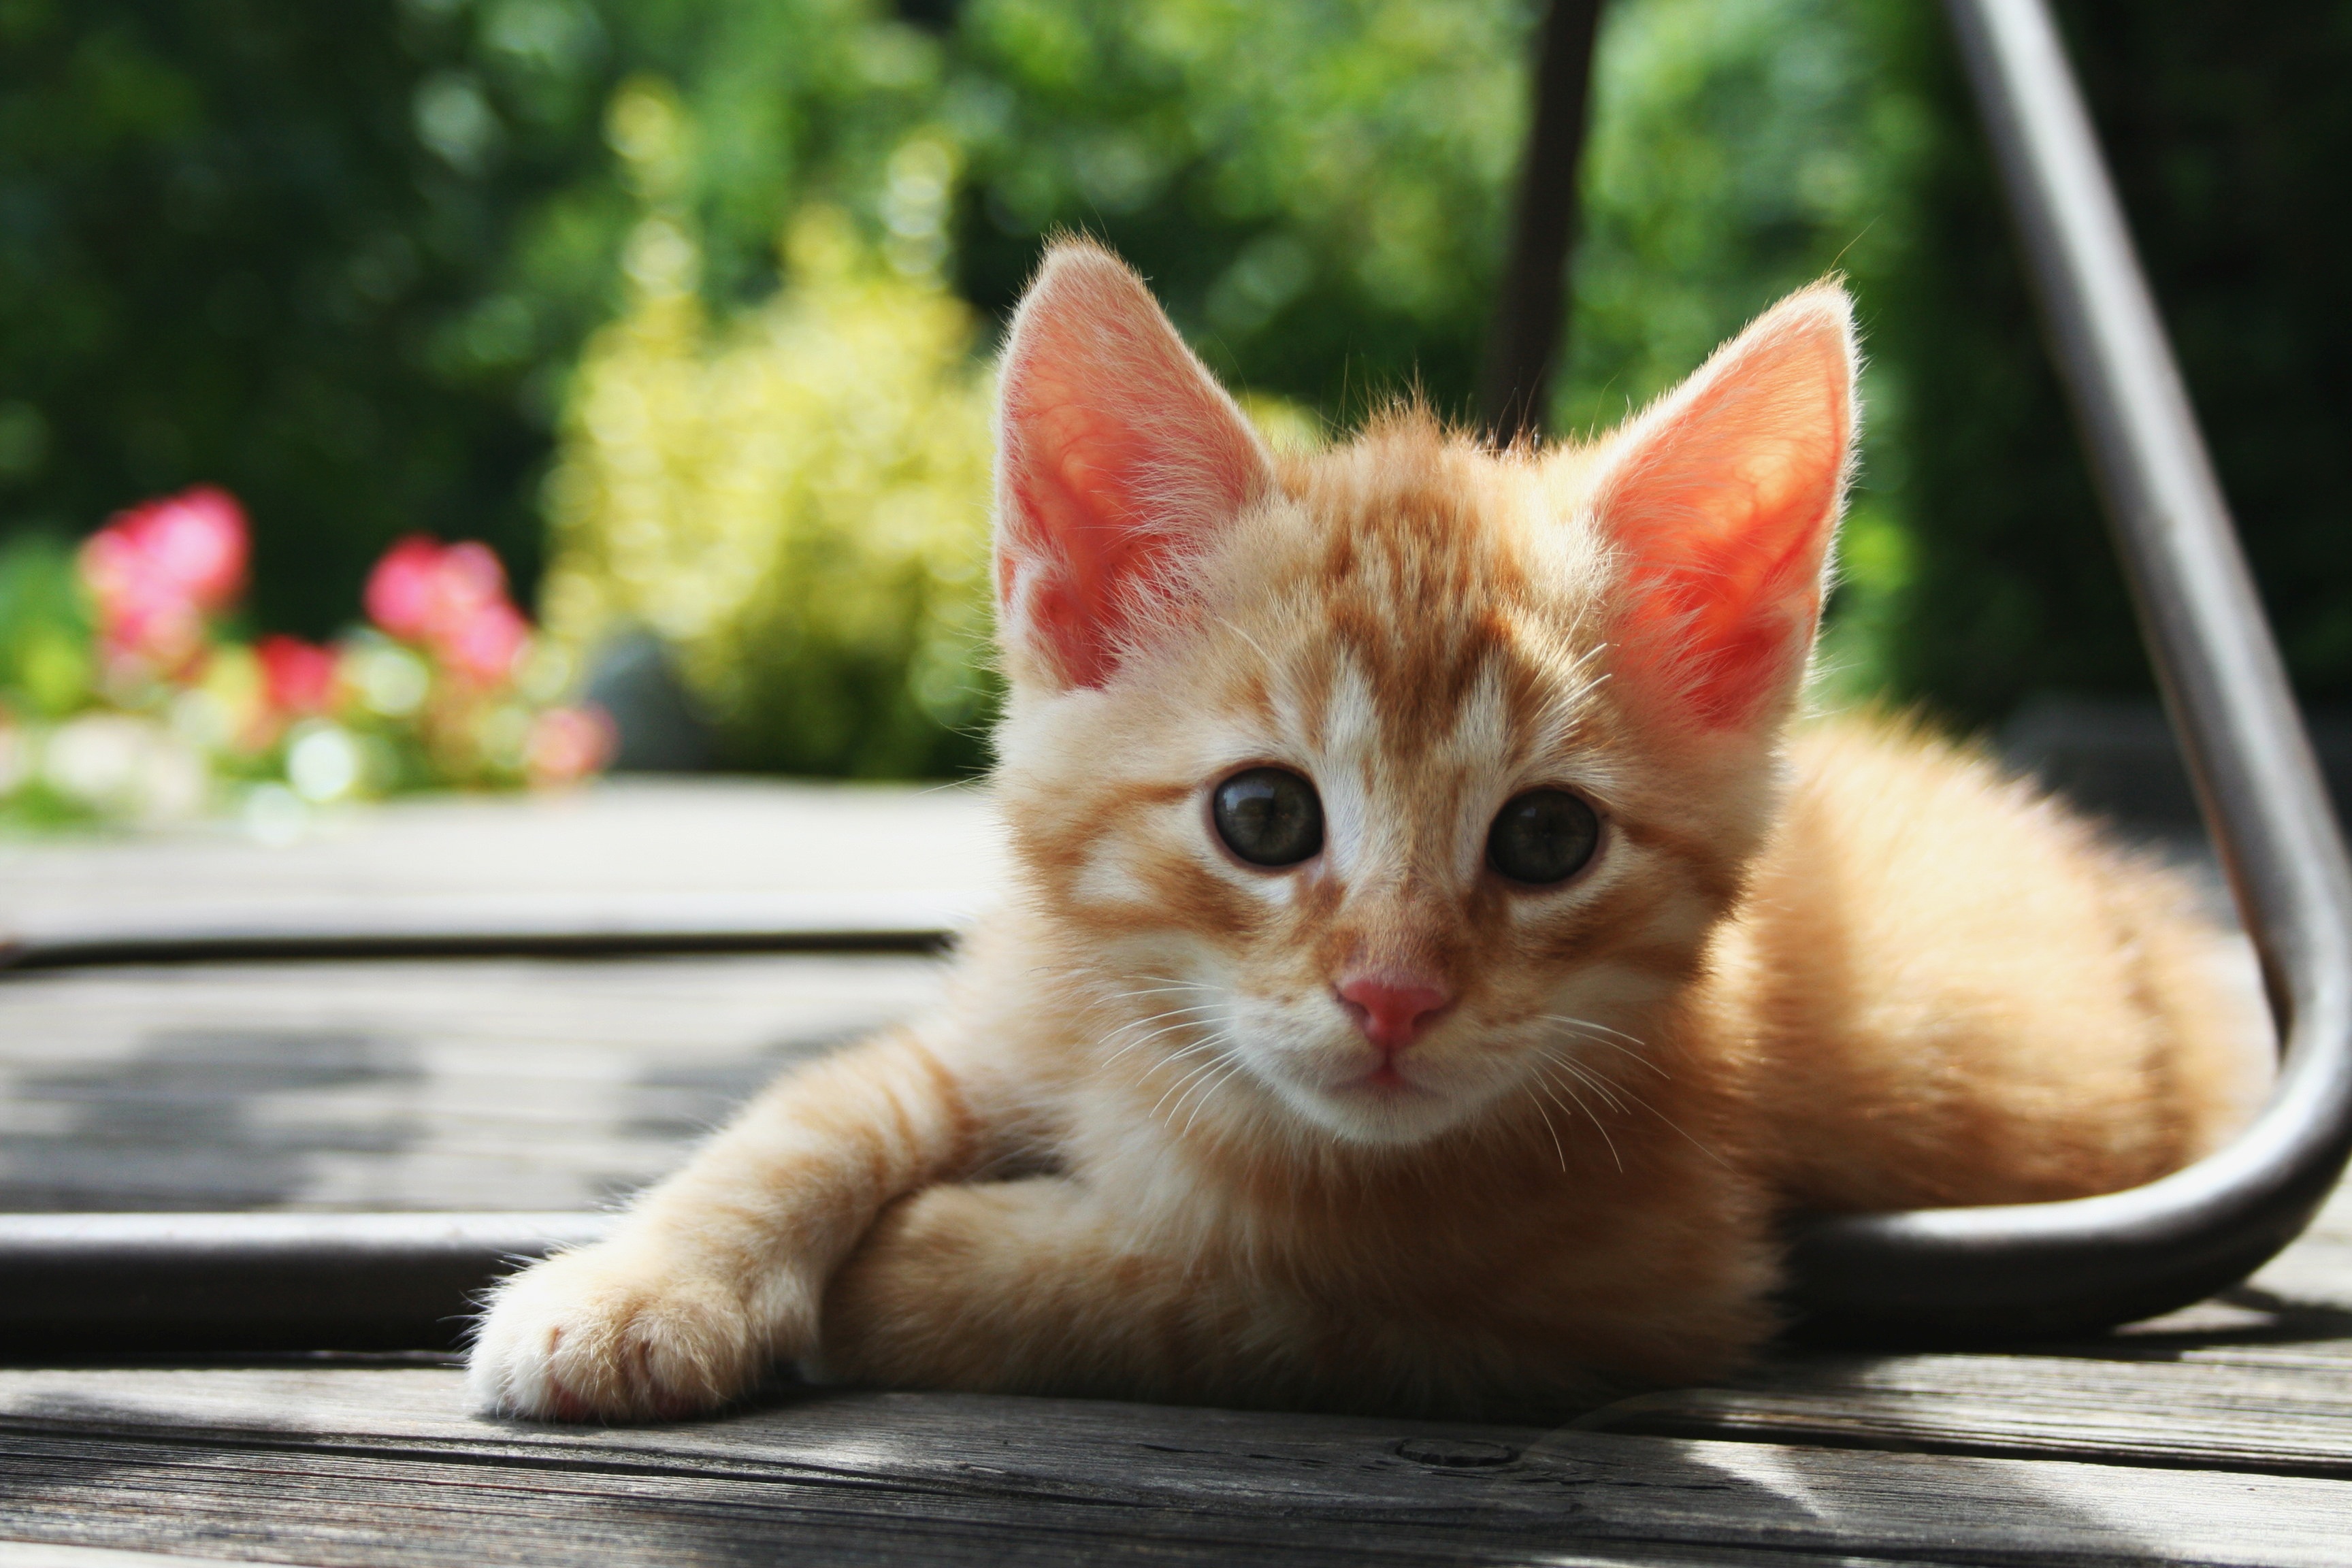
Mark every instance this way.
x=1375 y=788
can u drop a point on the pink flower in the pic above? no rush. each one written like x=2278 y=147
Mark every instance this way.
x=141 y=616
x=471 y=575
x=157 y=570
x=453 y=600
x=567 y=744
x=485 y=644
x=298 y=677
x=401 y=591
x=196 y=540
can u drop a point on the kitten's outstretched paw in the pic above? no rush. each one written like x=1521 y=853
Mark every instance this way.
x=603 y=1334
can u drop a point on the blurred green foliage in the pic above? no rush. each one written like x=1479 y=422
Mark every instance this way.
x=795 y=501
x=344 y=259
x=339 y=259
x=45 y=626
x=2228 y=129
x=1316 y=189
x=1739 y=149
x=1741 y=146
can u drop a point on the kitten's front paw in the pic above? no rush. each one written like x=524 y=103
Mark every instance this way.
x=607 y=1334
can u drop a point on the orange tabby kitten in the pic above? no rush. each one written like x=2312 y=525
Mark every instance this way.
x=1432 y=971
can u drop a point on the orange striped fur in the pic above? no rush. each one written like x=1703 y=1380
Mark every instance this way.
x=1152 y=1148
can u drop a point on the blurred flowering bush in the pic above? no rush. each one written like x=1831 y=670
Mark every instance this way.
x=795 y=500
x=123 y=693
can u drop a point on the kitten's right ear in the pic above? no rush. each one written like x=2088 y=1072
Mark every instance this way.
x=1118 y=456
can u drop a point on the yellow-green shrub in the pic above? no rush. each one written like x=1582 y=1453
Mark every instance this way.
x=795 y=501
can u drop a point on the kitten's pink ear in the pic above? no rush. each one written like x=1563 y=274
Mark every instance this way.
x=1722 y=500
x=1118 y=457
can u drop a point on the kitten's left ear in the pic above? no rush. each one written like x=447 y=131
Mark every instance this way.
x=1722 y=500
x=1118 y=457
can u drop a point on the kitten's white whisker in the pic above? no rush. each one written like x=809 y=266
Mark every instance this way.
x=1557 y=1147
x=1214 y=1041
x=1675 y=1127
x=1165 y=1014
x=1168 y=1011
x=1583 y=1036
x=1607 y=1087
x=1230 y=1066
x=1147 y=1039
x=1543 y=1082
x=1179 y=1019
x=1589 y=1115
x=1593 y=1025
x=1196 y=1048
x=1592 y=1080
x=1182 y=1082
x=1171 y=1062
x=1208 y=1085
x=1193 y=1049
x=1112 y=1061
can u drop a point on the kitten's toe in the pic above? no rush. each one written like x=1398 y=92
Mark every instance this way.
x=594 y=1335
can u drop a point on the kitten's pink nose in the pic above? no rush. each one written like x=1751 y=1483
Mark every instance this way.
x=1393 y=1010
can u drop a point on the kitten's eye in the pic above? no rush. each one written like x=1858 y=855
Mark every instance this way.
x=1268 y=816
x=1543 y=837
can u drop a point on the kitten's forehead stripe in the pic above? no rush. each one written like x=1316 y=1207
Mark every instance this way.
x=1418 y=641
x=1255 y=696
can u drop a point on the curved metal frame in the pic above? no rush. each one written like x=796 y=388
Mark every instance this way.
x=368 y=1280
x=2058 y=1268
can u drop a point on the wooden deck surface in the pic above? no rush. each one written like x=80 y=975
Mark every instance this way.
x=2221 y=1435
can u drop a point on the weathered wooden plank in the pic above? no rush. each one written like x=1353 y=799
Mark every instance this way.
x=492 y=1084
x=35 y=1555
x=2285 y=1420
x=2259 y=1379
x=335 y=1510
x=641 y=836
x=379 y=1464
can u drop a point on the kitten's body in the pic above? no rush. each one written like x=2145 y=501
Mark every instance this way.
x=1857 y=971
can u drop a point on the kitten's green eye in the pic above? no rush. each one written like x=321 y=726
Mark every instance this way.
x=1543 y=837
x=1268 y=816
